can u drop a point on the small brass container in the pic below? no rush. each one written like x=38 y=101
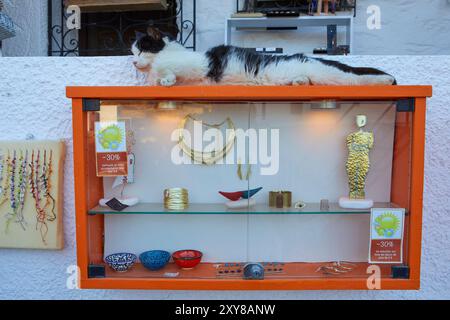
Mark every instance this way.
x=280 y=199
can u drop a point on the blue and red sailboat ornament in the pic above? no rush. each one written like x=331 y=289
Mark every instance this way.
x=245 y=194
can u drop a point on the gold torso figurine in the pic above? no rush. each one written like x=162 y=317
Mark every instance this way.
x=359 y=144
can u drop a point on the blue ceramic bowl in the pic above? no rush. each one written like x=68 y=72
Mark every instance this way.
x=121 y=262
x=154 y=259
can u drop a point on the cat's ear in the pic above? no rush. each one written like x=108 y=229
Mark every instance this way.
x=139 y=35
x=154 y=33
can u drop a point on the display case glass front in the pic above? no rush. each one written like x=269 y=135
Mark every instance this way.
x=180 y=193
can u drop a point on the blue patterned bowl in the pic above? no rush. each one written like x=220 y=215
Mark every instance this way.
x=121 y=262
x=154 y=259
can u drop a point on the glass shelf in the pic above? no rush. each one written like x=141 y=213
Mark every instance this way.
x=219 y=208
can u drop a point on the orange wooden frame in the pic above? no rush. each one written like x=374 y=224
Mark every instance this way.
x=90 y=240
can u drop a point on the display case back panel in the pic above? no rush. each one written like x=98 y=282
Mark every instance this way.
x=311 y=164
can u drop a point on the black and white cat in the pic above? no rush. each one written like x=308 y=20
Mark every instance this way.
x=169 y=63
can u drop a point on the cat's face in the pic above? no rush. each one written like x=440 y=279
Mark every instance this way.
x=146 y=46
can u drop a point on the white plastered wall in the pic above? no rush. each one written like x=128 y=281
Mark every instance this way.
x=32 y=100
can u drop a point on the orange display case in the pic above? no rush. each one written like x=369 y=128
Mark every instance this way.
x=405 y=189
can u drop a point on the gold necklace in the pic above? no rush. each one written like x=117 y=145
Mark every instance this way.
x=209 y=157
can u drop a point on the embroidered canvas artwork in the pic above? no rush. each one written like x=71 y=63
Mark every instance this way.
x=31 y=201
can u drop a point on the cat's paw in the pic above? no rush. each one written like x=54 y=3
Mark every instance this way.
x=168 y=81
x=301 y=81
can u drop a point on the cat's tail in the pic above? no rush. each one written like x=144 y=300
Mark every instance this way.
x=374 y=76
x=362 y=75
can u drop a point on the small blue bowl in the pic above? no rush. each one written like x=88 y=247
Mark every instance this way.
x=154 y=259
x=121 y=262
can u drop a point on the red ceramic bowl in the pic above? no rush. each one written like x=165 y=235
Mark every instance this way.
x=187 y=259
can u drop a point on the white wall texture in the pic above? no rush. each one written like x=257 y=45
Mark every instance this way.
x=407 y=27
x=31 y=37
x=32 y=100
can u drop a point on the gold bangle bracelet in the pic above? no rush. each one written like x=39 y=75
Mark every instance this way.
x=286 y=197
x=176 y=199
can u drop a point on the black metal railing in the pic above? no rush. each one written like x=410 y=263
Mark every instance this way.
x=112 y=33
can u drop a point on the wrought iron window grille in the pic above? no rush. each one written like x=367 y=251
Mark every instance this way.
x=112 y=33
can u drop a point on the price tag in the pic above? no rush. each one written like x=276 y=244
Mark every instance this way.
x=111 y=149
x=386 y=235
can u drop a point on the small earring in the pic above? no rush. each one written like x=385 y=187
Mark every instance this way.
x=239 y=170
x=249 y=172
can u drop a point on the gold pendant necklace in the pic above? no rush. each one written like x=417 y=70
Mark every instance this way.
x=208 y=157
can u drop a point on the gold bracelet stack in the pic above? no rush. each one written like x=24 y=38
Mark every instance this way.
x=176 y=199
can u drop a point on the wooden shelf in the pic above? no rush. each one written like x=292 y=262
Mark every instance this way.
x=118 y=5
x=251 y=93
x=292 y=270
x=294 y=276
x=264 y=23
